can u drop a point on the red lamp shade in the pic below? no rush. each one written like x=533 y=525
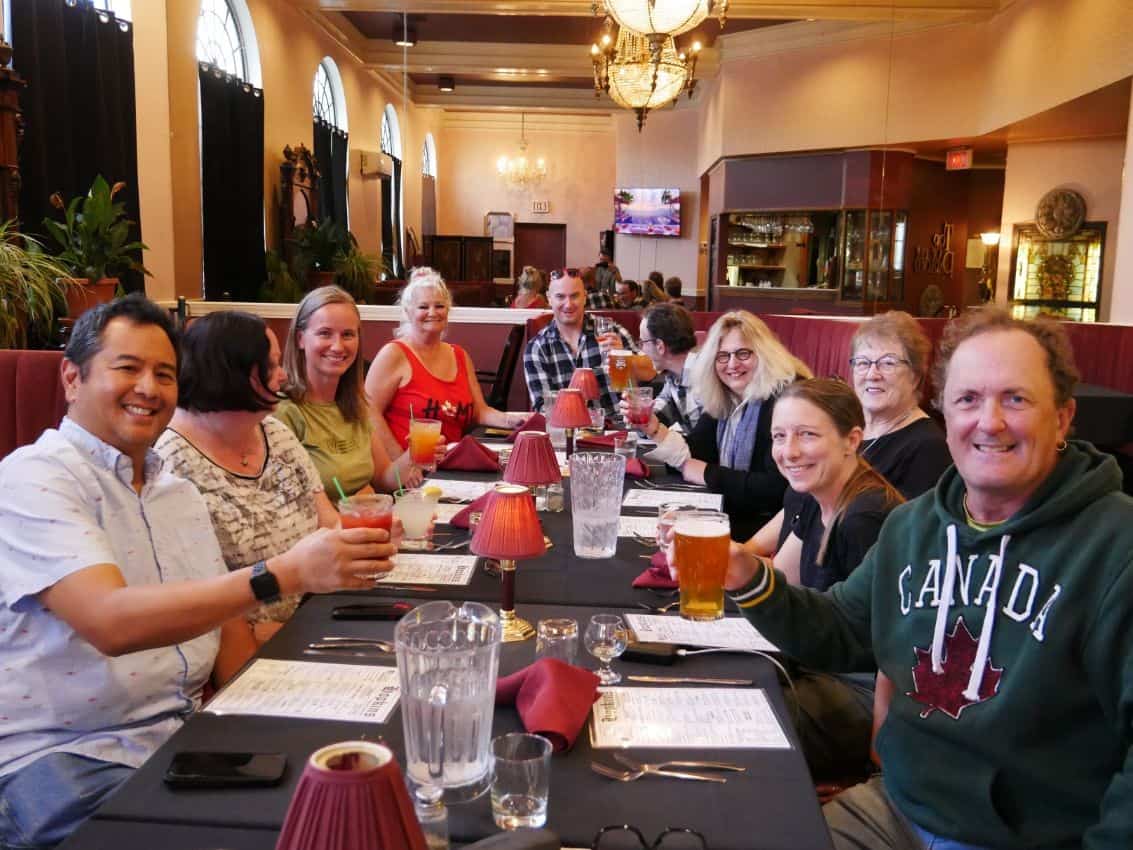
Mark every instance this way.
x=351 y=796
x=570 y=410
x=509 y=528
x=585 y=382
x=532 y=462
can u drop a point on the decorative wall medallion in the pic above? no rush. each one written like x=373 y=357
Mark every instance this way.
x=1060 y=213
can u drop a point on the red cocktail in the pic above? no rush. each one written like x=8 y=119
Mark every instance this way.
x=373 y=510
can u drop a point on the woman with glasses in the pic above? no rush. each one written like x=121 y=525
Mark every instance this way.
x=740 y=371
x=889 y=362
x=421 y=376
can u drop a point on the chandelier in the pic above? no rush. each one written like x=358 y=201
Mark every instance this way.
x=662 y=17
x=521 y=172
x=642 y=72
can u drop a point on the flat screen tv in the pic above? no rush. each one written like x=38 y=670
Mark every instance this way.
x=647 y=212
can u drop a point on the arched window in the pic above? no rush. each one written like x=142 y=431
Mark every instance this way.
x=429 y=157
x=227 y=39
x=120 y=8
x=329 y=108
x=392 y=250
x=429 y=186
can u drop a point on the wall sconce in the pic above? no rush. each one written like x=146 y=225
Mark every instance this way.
x=446 y=83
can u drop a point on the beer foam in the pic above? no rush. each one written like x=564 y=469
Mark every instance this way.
x=700 y=527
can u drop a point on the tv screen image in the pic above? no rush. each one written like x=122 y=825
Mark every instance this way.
x=647 y=212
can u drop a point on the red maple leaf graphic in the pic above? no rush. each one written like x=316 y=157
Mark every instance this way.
x=944 y=691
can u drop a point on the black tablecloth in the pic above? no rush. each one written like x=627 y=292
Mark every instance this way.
x=101 y=834
x=771 y=806
x=1104 y=416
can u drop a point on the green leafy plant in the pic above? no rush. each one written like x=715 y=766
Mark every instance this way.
x=317 y=246
x=32 y=286
x=94 y=234
x=357 y=273
x=281 y=287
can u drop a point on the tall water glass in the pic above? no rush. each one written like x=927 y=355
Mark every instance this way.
x=447 y=658
x=596 y=483
x=557 y=435
x=700 y=554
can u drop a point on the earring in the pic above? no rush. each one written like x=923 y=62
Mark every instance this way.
x=1061 y=447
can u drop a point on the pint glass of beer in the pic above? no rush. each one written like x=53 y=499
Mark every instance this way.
x=618 y=364
x=700 y=554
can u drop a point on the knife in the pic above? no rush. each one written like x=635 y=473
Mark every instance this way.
x=688 y=680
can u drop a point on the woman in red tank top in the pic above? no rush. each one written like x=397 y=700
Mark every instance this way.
x=421 y=374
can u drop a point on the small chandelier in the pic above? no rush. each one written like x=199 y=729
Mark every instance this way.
x=642 y=72
x=662 y=17
x=520 y=172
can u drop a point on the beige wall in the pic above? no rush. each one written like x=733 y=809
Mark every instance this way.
x=1091 y=168
x=1121 y=305
x=580 y=152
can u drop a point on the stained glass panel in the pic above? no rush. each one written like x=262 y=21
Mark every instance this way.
x=1059 y=277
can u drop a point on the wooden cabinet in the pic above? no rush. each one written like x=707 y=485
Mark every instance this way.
x=459 y=258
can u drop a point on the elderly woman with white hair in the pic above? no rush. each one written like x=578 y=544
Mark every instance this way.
x=740 y=371
x=419 y=375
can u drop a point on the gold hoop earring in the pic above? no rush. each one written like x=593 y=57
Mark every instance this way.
x=1061 y=447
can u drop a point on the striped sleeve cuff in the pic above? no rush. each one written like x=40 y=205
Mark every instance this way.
x=757 y=590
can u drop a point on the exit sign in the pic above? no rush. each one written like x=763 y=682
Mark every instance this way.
x=540 y=206
x=958 y=159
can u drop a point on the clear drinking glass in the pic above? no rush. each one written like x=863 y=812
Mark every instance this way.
x=606 y=638
x=557 y=638
x=596 y=483
x=626 y=445
x=424 y=434
x=557 y=435
x=415 y=509
x=521 y=781
x=639 y=406
x=700 y=553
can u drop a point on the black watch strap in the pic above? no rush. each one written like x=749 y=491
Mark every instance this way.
x=265 y=586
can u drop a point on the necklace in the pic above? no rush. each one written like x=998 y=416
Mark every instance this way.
x=897 y=426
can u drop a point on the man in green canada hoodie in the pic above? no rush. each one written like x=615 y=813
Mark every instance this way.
x=1001 y=607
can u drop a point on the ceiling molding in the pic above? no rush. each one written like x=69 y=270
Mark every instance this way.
x=515 y=98
x=532 y=122
x=805 y=35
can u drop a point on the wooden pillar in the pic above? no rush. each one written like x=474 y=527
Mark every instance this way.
x=11 y=132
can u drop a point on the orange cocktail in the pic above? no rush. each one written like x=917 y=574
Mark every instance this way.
x=424 y=434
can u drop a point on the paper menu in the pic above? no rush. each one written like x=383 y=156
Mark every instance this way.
x=426 y=568
x=455 y=488
x=628 y=526
x=643 y=498
x=693 y=718
x=311 y=689
x=727 y=632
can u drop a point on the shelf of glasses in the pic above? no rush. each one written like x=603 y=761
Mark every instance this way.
x=755 y=266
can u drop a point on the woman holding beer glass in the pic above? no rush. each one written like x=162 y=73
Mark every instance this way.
x=419 y=376
x=326 y=406
x=741 y=370
x=263 y=492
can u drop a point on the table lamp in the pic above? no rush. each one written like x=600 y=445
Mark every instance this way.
x=585 y=382
x=533 y=464
x=569 y=413
x=509 y=531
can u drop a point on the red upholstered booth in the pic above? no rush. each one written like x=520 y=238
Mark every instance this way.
x=31 y=396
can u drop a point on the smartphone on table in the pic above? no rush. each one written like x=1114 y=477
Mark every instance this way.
x=222 y=770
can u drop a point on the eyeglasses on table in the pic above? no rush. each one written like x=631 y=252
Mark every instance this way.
x=626 y=837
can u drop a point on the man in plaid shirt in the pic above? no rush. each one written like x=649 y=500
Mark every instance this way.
x=570 y=341
x=596 y=298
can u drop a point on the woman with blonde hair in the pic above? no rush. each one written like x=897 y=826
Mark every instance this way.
x=529 y=290
x=740 y=371
x=326 y=406
x=420 y=375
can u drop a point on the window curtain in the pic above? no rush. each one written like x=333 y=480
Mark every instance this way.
x=232 y=185
x=387 y=224
x=330 y=156
x=398 y=260
x=428 y=205
x=79 y=112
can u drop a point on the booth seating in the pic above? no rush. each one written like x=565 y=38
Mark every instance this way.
x=31 y=396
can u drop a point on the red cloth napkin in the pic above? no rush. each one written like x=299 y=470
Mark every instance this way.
x=534 y=422
x=553 y=699
x=604 y=441
x=471 y=456
x=460 y=518
x=657 y=574
x=636 y=469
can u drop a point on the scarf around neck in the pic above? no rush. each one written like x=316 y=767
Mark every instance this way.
x=735 y=435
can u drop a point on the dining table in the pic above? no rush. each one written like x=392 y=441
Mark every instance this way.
x=771 y=804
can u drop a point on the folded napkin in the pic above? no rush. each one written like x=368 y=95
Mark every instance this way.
x=657 y=574
x=598 y=441
x=534 y=422
x=553 y=699
x=460 y=518
x=471 y=456
x=636 y=469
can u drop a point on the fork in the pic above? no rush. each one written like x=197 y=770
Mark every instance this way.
x=337 y=642
x=452 y=544
x=660 y=609
x=632 y=764
x=645 y=541
x=634 y=775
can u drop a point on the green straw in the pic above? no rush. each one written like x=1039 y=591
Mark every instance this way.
x=397 y=474
x=341 y=492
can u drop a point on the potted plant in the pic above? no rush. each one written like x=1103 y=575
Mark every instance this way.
x=31 y=284
x=95 y=240
x=318 y=248
x=357 y=273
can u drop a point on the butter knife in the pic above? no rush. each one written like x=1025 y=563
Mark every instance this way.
x=687 y=680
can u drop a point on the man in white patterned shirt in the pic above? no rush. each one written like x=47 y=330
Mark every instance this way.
x=115 y=604
x=667 y=336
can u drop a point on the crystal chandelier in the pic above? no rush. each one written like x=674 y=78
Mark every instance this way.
x=642 y=72
x=520 y=172
x=662 y=17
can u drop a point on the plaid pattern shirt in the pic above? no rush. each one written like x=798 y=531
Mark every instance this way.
x=548 y=362
x=677 y=404
x=599 y=299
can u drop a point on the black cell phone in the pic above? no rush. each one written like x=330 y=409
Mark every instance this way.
x=221 y=770
x=371 y=611
x=650 y=653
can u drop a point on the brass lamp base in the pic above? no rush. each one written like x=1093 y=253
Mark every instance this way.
x=515 y=628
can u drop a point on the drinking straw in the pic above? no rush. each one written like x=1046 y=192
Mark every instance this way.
x=341 y=492
x=410 y=413
x=397 y=474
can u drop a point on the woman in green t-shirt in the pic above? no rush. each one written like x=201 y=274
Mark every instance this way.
x=326 y=406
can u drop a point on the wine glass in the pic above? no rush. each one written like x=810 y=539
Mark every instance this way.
x=606 y=638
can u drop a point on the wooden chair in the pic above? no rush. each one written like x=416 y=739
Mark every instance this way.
x=497 y=385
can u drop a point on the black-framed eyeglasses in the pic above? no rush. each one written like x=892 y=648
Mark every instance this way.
x=626 y=837
x=557 y=273
x=646 y=341
x=886 y=364
x=741 y=354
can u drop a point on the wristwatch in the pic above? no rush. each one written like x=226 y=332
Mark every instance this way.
x=265 y=586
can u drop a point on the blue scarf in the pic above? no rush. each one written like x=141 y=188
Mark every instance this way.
x=735 y=435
